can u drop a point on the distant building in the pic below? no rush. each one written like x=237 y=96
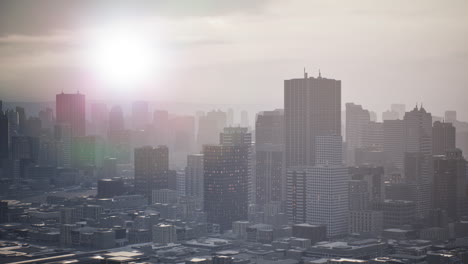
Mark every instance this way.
x=108 y=188
x=71 y=109
x=164 y=234
x=443 y=138
x=315 y=233
x=397 y=213
x=357 y=122
x=366 y=222
x=194 y=174
x=140 y=115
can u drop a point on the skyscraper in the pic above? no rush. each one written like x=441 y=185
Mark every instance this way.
x=418 y=157
x=99 y=118
x=140 y=114
x=4 y=138
x=151 y=169
x=327 y=192
x=269 y=157
x=70 y=109
x=116 y=119
x=394 y=142
x=443 y=138
x=226 y=183
x=312 y=107
x=449 y=190
x=63 y=139
x=194 y=173
x=357 y=121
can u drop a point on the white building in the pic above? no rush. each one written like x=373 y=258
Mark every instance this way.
x=164 y=234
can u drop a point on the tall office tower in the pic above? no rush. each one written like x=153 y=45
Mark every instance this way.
x=269 y=157
x=161 y=127
x=47 y=118
x=359 y=195
x=312 y=107
x=327 y=193
x=450 y=116
x=4 y=138
x=25 y=148
x=220 y=117
x=244 y=119
x=449 y=191
x=239 y=136
x=63 y=138
x=140 y=115
x=230 y=117
x=33 y=127
x=13 y=123
x=87 y=151
x=109 y=168
x=183 y=135
x=357 y=122
x=394 y=142
x=151 y=169
x=374 y=176
x=443 y=138
x=226 y=184
x=373 y=116
x=296 y=201
x=70 y=109
x=164 y=234
x=209 y=127
x=21 y=119
x=400 y=109
x=194 y=176
x=99 y=119
x=390 y=115
x=116 y=119
x=374 y=136
x=418 y=157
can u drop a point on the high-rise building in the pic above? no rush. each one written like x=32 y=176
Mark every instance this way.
x=418 y=157
x=4 y=136
x=63 y=138
x=244 y=119
x=270 y=181
x=226 y=183
x=140 y=115
x=151 y=169
x=449 y=191
x=374 y=176
x=194 y=173
x=116 y=119
x=390 y=115
x=230 y=117
x=161 y=127
x=394 y=143
x=240 y=136
x=87 y=151
x=358 y=195
x=108 y=188
x=400 y=109
x=70 y=109
x=443 y=138
x=312 y=107
x=357 y=122
x=99 y=119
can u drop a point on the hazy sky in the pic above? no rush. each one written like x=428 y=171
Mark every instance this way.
x=239 y=52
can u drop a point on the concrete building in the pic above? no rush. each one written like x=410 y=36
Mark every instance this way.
x=443 y=138
x=164 y=234
x=357 y=122
x=226 y=183
x=151 y=169
x=366 y=222
x=70 y=108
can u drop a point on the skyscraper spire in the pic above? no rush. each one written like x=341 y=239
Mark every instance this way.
x=320 y=74
x=305 y=73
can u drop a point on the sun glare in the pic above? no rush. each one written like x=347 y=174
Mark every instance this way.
x=122 y=57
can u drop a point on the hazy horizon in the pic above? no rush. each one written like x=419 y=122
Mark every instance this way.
x=240 y=53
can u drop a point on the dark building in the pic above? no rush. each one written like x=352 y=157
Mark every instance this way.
x=70 y=109
x=312 y=107
x=449 y=191
x=4 y=136
x=108 y=188
x=374 y=176
x=151 y=169
x=315 y=233
x=443 y=137
x=269 y=157
x=226 y=183
x=3 y=211
x=397 y=212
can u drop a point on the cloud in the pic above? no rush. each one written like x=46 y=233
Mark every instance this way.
x=24 y=17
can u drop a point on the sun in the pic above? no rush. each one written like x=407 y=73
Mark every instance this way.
x=122 y=57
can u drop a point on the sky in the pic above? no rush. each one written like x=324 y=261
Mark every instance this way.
x=239 y=52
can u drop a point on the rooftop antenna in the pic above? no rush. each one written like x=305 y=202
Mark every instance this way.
x=305 y=73
x=320 y=74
